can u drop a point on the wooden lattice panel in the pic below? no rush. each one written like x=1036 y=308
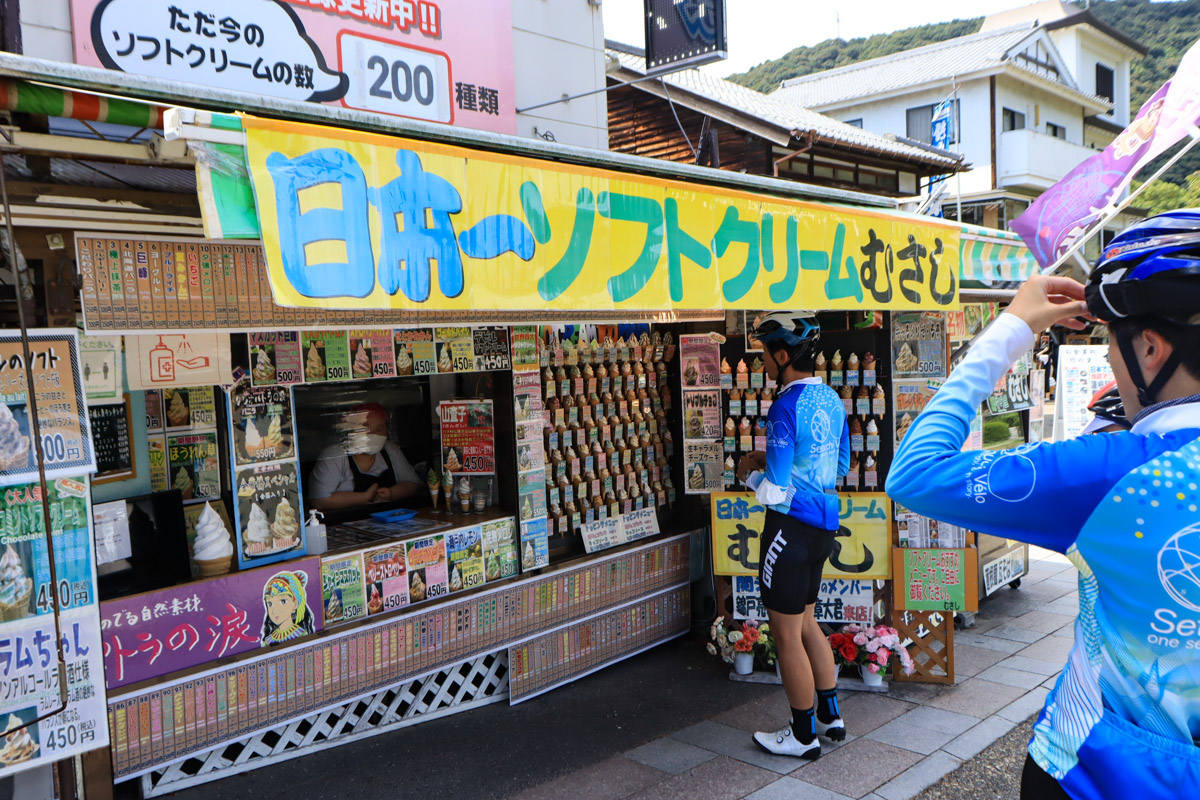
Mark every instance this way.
x=461 y=687
x=931 y=634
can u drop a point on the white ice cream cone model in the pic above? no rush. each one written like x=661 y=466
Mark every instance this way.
x=213 y=549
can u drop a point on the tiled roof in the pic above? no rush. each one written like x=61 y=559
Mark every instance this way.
x=785 y=116
x=921 y=65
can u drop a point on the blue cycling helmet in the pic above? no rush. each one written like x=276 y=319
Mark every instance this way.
x=1150 y=270
x=788 y=329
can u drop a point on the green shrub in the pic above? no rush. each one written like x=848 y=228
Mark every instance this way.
x=994 y=430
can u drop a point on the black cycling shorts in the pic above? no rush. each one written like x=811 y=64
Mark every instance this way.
x=792 y=557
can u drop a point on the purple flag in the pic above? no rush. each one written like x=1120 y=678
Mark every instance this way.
x=1065 y=211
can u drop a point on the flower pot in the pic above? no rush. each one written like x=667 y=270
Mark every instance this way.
x=872 y=678
x=743 y=663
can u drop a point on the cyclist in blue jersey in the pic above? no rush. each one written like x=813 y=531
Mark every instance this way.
x=1124 y=716
x=808 y=446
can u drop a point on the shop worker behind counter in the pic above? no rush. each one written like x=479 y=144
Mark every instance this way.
x=808 y=446
x=365 y=467
x=1124 y=717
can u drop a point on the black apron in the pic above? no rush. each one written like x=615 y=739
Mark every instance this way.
x=363 y=481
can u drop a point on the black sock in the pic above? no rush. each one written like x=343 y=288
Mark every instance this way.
x=827 y=705
x=804 y=725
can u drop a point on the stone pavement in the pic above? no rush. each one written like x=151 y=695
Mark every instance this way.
x=897 y=744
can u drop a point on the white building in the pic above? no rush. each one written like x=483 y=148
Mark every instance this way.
x=1036 y=91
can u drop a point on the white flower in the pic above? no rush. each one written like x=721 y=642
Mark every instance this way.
x=872 y=646
x=735 y=637
x=712 y=649
x=723 y=640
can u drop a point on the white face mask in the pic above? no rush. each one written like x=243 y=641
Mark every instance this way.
x=373 y=442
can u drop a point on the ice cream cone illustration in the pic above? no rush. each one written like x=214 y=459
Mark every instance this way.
x=14 y=445
x=177 y=410
x=16 y=587
x=264 y=370
x=314 y=366
x=362 y=362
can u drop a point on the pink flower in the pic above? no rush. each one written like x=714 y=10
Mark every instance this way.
x=860 y=639
x=872 y=645
x=873 y=668
x=883 y=657
x=871 y=632
x=851 y=628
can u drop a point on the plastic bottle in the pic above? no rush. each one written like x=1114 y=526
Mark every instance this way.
x=314 y=530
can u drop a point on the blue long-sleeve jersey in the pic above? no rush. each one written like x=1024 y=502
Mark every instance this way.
x=1122 y=719
x=808 y=446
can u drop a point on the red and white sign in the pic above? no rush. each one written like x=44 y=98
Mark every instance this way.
x=445 y=61
x=468 y=437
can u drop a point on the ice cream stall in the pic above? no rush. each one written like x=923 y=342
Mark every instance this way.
x=347 y=475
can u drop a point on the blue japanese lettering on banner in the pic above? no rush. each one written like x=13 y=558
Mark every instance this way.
x=418 y=211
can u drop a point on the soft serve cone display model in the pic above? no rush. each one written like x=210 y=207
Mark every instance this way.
x=213 y=549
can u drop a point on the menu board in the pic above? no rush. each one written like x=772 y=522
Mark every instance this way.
x=414 y=352
x=468 y=437
x=326 y=356
x=386 y=577
x=371 y=354
x=275 y=358
x=29 y=629
x=343 y=588
x=455 y=349
x=1083 y=370
x=268 y=514
x=426 y=560
x=464 y=552
x=491 y=348
x=65 y=428
x=623 y=529
x=112 y=435
x=268 y=688
x=499 y=549
x=193 y=466
x=190 y=407
x=261 y=423
x=703 y=468
x=919 y=344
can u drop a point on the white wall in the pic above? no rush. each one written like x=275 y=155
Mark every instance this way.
x=1082 y=48
x=888 y=116
x=558 y=49
x=46 y=30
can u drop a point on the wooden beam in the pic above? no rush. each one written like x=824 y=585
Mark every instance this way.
x=33 y=189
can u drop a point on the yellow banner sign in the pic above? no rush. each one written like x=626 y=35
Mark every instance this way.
x=354 y=220
x=861 y=549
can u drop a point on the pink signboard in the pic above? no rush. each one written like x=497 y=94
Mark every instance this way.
x=445 y=61
x=156 y=633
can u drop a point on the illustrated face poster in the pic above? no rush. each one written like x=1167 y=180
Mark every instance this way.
x=254 y=609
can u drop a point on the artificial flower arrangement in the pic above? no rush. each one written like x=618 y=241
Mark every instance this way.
x=871 y=647
x=752 y=637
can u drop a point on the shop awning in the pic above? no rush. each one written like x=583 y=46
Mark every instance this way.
x=993 y=258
